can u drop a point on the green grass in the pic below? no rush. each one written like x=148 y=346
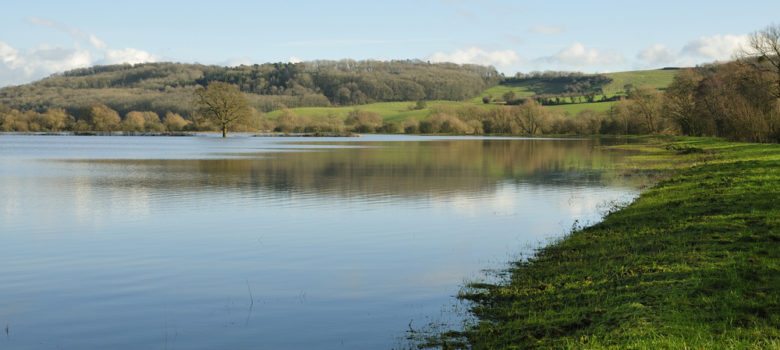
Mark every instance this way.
x=520 y=90
x=658 y=79
x=399 y=111
x=525 y=88
x=693 y=263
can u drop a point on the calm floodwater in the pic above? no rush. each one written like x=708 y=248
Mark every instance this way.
x=269 y=243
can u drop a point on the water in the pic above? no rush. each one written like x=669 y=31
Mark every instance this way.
x=270 y=243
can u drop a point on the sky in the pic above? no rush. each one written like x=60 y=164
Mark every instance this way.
x=39 y=38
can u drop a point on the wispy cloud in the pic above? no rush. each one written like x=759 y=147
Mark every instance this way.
x=468 y=15
x=515 y=39
x=339 y=42
x=547 y=29
x=73 y=31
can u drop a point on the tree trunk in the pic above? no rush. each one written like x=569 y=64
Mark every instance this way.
x=224 y=131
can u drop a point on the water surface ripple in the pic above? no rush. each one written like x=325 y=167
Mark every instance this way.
x=270 y=243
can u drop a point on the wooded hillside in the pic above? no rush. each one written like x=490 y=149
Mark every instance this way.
x=168 y=87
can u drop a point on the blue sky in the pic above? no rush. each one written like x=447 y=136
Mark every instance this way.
x=38 y=38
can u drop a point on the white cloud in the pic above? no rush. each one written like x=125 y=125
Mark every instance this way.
x=57 y=59
x=547 y=30
x=235 y=62
x=696 y=51
x=97 y=43
x=128 y=55
x=716 y=47
x=8 y=54
x=294 y=59
x=478 y=56
x=22 y=66
x=17 y=67
x=341 y=42
x=577 y=55
x=657 y=54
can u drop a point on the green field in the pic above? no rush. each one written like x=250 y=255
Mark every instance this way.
x=693 y=263
x=499 y=90
x=658 y=79
x=399 y=111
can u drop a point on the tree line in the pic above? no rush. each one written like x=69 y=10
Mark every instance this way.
x=96 y=118
x=560 y=82
x=530 y=118
x=163 y=87
x=738 y=100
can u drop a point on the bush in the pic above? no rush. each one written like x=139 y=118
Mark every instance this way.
x=444 y=123
x=174 y=122
x=411 y=126
x=363 y=121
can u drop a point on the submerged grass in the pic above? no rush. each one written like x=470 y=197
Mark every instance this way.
x=390 y=111
x=573 y=109
x=694 y=262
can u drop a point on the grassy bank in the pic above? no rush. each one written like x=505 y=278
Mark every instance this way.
x=693 y=263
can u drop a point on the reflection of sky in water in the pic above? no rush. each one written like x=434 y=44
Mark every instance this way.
x=158 y=242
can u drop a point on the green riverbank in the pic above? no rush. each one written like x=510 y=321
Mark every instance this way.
x=693 y=263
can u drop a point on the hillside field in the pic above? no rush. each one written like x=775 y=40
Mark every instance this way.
x=399 y=111
x=658 y=79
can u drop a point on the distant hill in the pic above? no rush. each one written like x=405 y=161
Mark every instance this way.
x=572 y=84
x=163 y=87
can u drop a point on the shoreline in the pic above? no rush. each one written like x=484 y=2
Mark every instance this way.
x=693 y=262
x=177 y=133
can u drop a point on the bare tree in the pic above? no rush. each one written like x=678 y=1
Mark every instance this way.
x=646 y=103
x=764 y=46
x=679 y=102
x=531 y=117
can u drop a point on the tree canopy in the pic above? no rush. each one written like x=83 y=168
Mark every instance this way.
x=764 y=46
x=164 y=87
x=223 y=104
